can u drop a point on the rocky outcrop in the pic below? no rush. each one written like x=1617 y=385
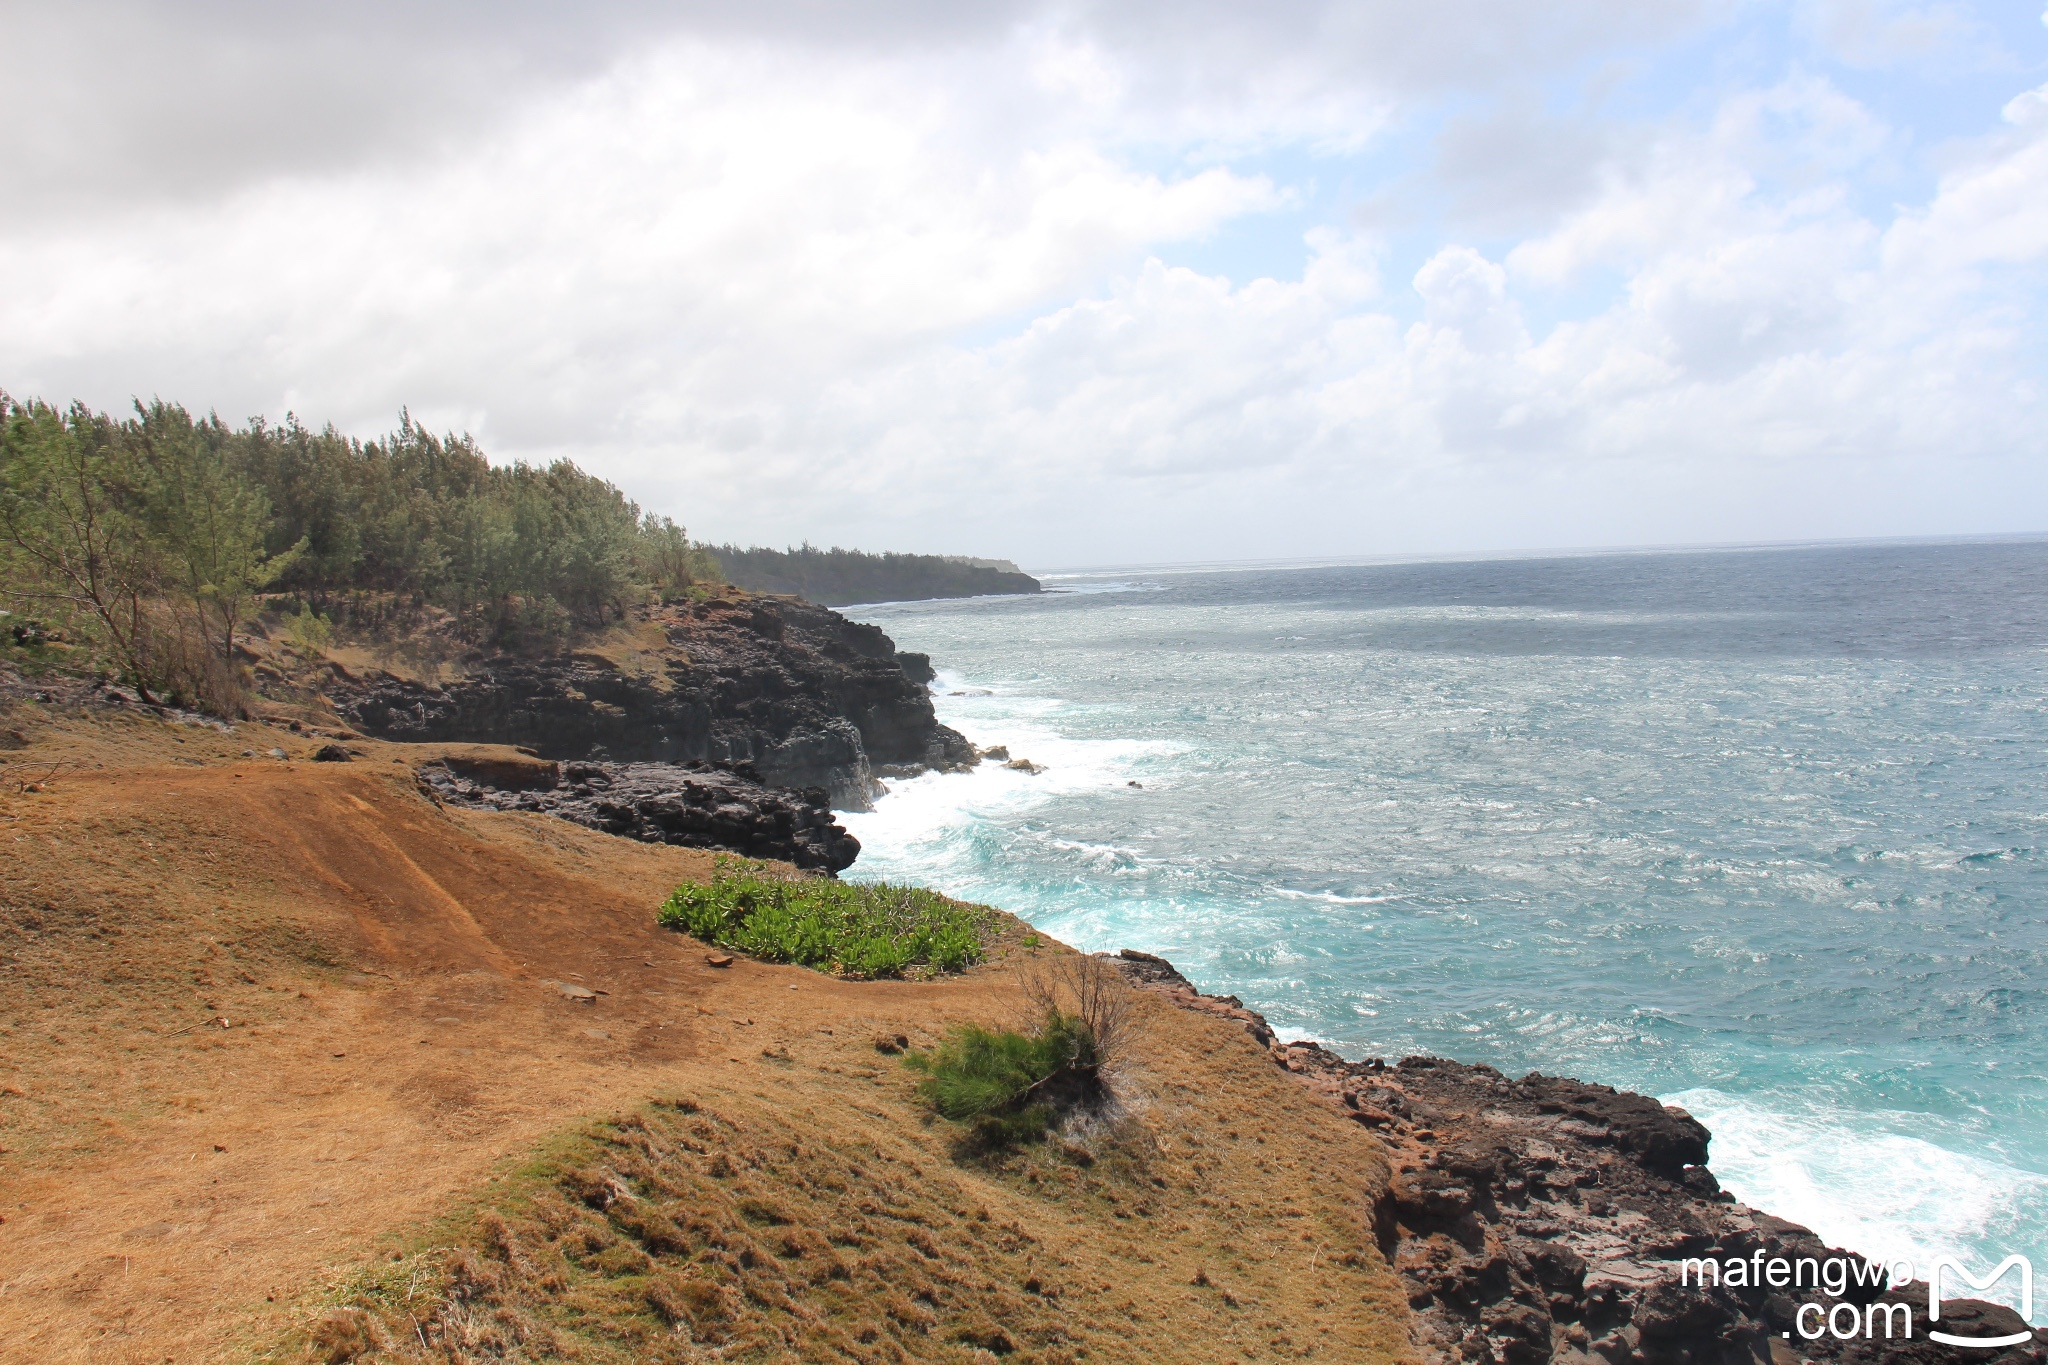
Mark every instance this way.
x=1549 y=1220
x=696 y=805
x=807 y=697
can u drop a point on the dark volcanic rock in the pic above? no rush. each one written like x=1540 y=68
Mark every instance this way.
x=696 y=805
x=1545 y=1220
x=1157 y=972
x=1663 y=1139
x=509 y=772
x=808 y=697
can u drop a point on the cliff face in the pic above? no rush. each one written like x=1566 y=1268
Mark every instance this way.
x=808 y=697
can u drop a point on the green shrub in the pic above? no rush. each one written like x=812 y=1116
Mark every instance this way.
x=309 y=632
x=854 y=928
x=1010 y=1087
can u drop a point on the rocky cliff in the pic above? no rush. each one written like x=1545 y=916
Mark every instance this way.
x=1549 y=1220
x=692 y=805
x=807 y=697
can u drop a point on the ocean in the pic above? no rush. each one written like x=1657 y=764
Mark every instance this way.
x=1763 y=832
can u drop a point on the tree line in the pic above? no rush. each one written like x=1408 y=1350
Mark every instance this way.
x=152 y=537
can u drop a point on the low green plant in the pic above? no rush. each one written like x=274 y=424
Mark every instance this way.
x=308 y=631
x=860 y=929
x=1010 y=1087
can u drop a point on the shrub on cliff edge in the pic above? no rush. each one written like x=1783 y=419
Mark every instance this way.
x=1011 y=1086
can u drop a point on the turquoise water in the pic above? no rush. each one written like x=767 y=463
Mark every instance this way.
x=1761 y=832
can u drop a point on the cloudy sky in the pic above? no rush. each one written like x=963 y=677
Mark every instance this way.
x=1078 y=283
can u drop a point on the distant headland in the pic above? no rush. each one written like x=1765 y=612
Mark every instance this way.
x=838 y=578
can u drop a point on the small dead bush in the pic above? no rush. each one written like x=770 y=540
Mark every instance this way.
x=502 y=1240
x=185 y=669
x=1091 y=991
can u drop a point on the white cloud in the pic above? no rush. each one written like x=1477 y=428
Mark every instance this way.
x=699 y=219
x=918 y=294
x=1763 y=341
x=1991 y=210
x=1886 y=33
x=1466 y=294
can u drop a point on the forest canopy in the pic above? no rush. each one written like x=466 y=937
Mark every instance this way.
x=152 y=537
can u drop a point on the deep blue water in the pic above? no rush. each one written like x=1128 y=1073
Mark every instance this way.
x=1759 y=831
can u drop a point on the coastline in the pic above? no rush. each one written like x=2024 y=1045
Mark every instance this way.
x=1531 y=1220
x=1549 y=1219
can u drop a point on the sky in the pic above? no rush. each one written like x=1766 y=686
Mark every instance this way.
x=1078 y=283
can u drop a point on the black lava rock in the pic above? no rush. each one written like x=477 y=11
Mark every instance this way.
x=693 y=805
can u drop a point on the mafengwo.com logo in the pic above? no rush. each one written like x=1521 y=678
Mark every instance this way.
x=1869 y=1321
x=1934 y=1298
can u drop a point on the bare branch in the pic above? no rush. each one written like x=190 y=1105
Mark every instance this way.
x=1084 y=988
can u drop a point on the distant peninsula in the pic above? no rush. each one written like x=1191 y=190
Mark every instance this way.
x=838 y=578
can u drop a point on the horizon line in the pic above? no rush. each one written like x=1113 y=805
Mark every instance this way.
x=1337 y=561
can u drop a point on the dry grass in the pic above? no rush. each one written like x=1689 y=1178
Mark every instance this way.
x=797 y=1217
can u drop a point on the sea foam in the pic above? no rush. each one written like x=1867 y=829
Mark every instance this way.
x=1865 y=1185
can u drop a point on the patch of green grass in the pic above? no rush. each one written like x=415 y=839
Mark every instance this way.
x=1009 y=1087
x=855 y=928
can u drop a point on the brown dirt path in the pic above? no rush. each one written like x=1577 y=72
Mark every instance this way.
x=159 y=1167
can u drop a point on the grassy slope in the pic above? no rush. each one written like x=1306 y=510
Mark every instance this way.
x=398 y=1079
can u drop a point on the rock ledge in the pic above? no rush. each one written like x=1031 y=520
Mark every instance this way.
x=694 y=805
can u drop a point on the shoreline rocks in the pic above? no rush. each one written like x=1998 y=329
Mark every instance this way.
x=693 y=805
x=1546 y=1219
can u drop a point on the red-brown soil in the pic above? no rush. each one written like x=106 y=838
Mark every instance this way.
x=263 y=1021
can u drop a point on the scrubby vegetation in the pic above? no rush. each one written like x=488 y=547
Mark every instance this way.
x=1006 y=1086
x=693 y=1230
x=854 y=928
x=141 y=545
x=626 y=1246
x=1009 y=1086
x=837 y=578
